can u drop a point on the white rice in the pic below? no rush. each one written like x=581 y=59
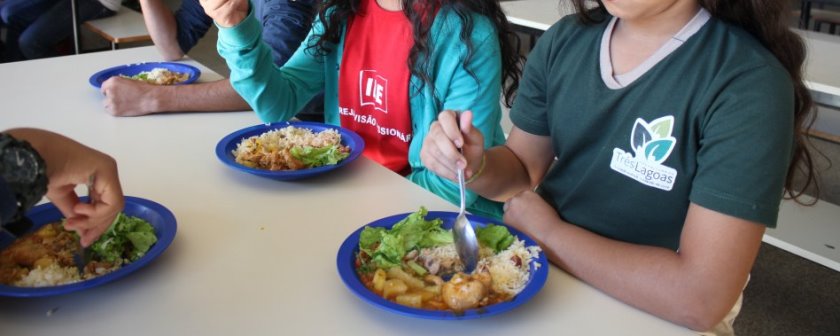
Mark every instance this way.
x=51 y=275
x=288 y=137
x=506 y=276
x=163 y=76
x=271 y=150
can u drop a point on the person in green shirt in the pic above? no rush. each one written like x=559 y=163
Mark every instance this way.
x=660 y=136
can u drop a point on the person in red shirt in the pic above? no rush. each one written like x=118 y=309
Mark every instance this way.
x=387 y=68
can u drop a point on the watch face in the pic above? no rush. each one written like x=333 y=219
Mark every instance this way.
x=20 y=165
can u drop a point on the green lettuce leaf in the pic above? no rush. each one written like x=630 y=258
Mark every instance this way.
x=370 y=238
x=318 y=156
x=127 y=238
x=494 y=236
x=388 y=247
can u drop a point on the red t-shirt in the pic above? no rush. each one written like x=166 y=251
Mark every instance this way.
x=373 y=84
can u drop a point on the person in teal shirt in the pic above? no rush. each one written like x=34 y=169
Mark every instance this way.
x=661 y=136
x=459 y=60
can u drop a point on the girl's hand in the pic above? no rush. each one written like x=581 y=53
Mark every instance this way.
x=531 y=214
x=440 y=152
x=69 y=164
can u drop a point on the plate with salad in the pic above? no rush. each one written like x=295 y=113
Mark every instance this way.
x=289 y=150
x=158 y=73
x=40 y=261
x=407 y=264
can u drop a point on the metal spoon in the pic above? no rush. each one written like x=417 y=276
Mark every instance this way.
x=81 y=258
x=465 y=241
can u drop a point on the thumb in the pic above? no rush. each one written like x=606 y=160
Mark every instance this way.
x=472 y=135
x=473 y=147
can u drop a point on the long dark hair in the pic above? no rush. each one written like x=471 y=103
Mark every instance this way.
x=766 y=20
x=333 y=13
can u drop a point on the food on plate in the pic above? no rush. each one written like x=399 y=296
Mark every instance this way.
x=160 y=76
x=45 y=257
x=408 y=263
x=291 y=148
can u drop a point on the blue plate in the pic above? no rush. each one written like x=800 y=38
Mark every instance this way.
x=225 y=147
x=136 y=68
x=347 y=271
x=161 y=219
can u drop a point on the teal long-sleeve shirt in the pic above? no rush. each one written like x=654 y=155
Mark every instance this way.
x=278 y=93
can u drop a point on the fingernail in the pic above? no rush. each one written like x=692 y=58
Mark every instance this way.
x=459 y=143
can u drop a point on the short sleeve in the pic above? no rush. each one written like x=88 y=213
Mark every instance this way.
x=746 y=146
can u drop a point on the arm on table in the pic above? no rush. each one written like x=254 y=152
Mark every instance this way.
x=694 y=287
x=127 y=98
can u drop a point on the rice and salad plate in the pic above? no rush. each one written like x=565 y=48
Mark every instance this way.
x=39 y=262
x=407 y=264
x=289 y=150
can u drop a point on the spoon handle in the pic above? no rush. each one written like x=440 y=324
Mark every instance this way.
x=461 y=188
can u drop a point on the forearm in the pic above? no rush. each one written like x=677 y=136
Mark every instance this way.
x=162 y=28
x=36 y=138
x=216 y=96
x=44 y=142
x=644 y=276
x=503 y=175
x=682 y=287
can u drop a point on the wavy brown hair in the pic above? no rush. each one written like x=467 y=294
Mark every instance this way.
x=766 y=20
x=334 y=13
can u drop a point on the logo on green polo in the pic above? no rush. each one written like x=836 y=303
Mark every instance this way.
x=652 y=144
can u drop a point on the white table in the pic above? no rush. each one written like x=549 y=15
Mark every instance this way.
x=252 y=256
x=822 y=73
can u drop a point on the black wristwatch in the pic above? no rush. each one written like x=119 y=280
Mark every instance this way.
x=24 y=171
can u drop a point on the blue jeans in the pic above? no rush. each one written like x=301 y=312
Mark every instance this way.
x=36 y=27
x=285 y=25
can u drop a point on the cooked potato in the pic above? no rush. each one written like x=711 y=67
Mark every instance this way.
x=412 y=300
x=379 y=278
x=394 y=287
x=411 y=281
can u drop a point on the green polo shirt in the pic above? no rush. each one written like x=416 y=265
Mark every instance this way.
x=711 y=124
